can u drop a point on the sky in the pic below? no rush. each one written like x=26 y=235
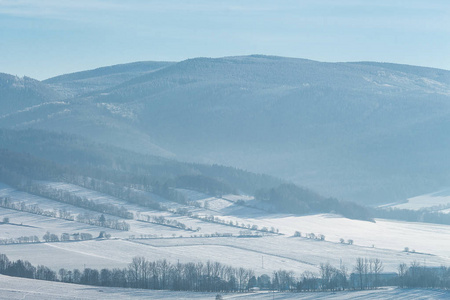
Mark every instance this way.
x=45 y=38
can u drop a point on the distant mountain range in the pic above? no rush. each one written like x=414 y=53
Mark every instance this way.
x=364 y=131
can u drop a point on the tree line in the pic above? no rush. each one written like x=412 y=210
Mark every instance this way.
x=217 y=220
x=216 y=277
x=142 y=273
x=291 y=198
x=20 y=240
x=409 y=215
x=51 y=237
x=161 y=220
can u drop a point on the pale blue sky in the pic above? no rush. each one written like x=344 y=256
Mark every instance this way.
x=45 y=38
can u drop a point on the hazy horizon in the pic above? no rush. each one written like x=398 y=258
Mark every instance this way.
x=218 y=57
x=48 y=38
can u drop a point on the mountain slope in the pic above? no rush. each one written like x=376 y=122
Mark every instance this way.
x=23 y=93
x=78 y=83
x=39 y=155
x=361 y=131
x=331 y=126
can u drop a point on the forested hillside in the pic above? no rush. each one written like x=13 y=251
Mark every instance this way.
x=39 y=155
x=366 y=132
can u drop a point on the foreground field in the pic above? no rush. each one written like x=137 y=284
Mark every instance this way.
x=13 y=288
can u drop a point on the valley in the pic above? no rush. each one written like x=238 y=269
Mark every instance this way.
x=265 y=252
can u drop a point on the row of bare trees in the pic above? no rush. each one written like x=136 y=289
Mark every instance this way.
x=102 y=221
x=6 y=202
x=216 y=277
x=20 y=240
x=366 y=275
x=217 y=220
x=209 y=276
x=368 y=272
x=161 y=220
x=142 y=273
x=418 y=275
x=83 y=236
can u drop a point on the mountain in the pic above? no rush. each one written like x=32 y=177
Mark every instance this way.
x=75 y=84
x=18 y=94
x=363 y=131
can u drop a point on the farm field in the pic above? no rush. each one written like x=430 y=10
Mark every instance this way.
x=137 y=228
x=383 y=239
x=385 y=234
x=264 y=255
x=27 y=224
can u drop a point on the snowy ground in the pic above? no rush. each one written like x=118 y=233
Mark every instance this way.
x=297 y=254
x=26 y=224
x=136 y=228
x=12 y=288
x=383 y=239
x=264 y=255
x=385 y=234
x=437 y=201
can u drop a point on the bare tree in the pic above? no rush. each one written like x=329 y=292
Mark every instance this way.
x=377 y=269
x=359 y=269
x=402 y=269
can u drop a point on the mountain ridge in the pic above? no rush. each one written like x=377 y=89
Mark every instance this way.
x=349 y=130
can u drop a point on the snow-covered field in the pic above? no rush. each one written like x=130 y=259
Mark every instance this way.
x=383 y=239
x=26 y=224
x=297 y=254
x=384 y=234
x=264 y=255
x=437 y=201
x=12 y=288
x=136 y=228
